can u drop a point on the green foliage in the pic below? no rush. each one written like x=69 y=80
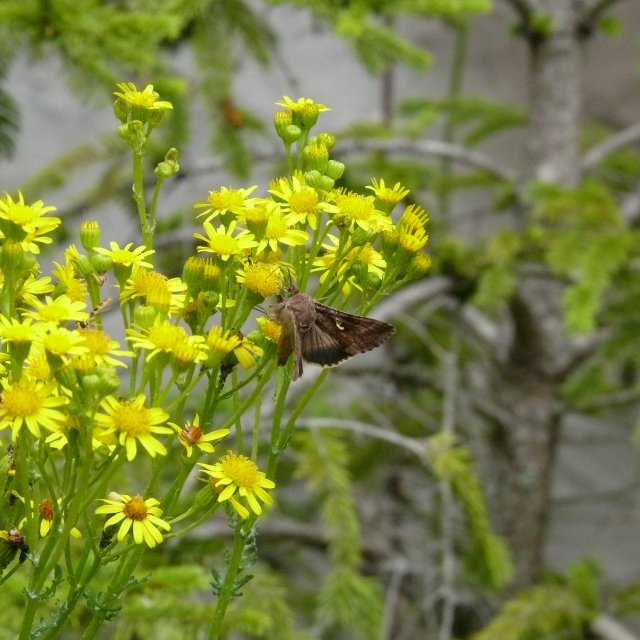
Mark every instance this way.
x=488 y=559
x=347 y=599
x=558 y=609
x=585 y=241
x=263 y=612
x=95 y=39
x=8 y=124
x=481 y=118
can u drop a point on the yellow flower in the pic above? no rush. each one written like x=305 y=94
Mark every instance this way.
x=192 y=435
x=137 y=513
x=131 y=259
x=350 y=210
x=146 y=99
x=298 y=199
x=75 y=288
x=414 y=218
x=32 y=404
x=219 y=202
x=262 y=278
x=388 y=195
x=222 y=342
x=412 y=240
x=32 y=288
x=103 y=347
x=25 y=223
x=158 y=291
x=239 y=477
x=20 y=331
x=61 y=342
x=161 y=337
x=300 y=104
x=47 y=515
x=221 y=242
x=129 y=422
x=59 y=310
x=270 y=329
x=280 y=229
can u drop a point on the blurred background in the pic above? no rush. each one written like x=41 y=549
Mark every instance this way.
x=512 y=381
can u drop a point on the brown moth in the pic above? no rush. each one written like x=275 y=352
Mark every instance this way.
x=323 y=335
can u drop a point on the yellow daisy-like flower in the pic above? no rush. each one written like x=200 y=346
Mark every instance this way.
x=270 y=329
x=367 y=256
x=62 y=343
x=221 y=241
x=143 y=516
x=350 y=210
x=192 y=435
x=34 y=287
x=298 y=199
x=47 y=516
x=23 y=331
x=300 y=104
x=414 y=218
x=146 y=99
x=26 y=223
x=280 y=229
x=389 y=196
x=125 y=257
x=165 y=294
x=75 y=288
x=129 y=422
x=103 y=347
x=37 y=366
x=220 y=202
x=222 y=342
x=412 y=240
x=262 y=278
x=161 y=337
x=239 y=477
x=58 y=311
x=32 y=404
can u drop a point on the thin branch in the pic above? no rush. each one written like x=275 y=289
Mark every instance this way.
x=608 y=628
x=593 y=11
x=414 y=445
x=433 y=148
x=612 y=143
x=524 y=8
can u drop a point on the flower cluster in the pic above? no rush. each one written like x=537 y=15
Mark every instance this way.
x=62 y=373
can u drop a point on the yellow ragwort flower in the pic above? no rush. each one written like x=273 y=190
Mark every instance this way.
x=236 y=476
x=192 y=435
x=47 y=516
x=270 y=329
x=143 y=516
x=389 y=196
x=146 y=99
x=129 y=423
x=220 y=202
x=25 y=223
x=281 y=229
x=103 y=347
x=350 y=210
x=161 y=337
x=223 y=341
x=262 y=278
x=221 y=241
x=58 y=311
x=127 y=257
x=32 y=404
x=298 y=199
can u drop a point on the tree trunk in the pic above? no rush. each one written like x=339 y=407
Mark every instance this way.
x=526 y=383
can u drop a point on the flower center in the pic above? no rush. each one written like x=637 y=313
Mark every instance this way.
x=241 y=470
x=21 y=401
x=135 y=508
x=46 y=509
x=132 y=420
x=165 y=337
x=303 y=201
x=224 y=245
x=356 y=206
x=276 y=227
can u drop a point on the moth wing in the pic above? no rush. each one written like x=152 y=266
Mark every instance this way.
x=337 y=336
x=357 y=334
x=323 y=348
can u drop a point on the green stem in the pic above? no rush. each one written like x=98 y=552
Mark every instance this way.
x=227 y=590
